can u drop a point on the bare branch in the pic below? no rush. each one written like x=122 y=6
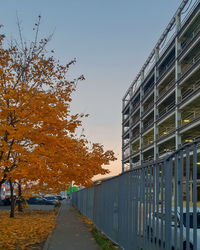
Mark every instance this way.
x=20 y=31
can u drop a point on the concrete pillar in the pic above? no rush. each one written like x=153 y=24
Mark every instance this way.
x=141 y=112
x=122 y=153
x=130 y=133
x=131 y=151
x=123 y=105
x=155 y=106
x=177 y=88
x=178 y=23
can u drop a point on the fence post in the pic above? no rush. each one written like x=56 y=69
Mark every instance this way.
x=168 y=204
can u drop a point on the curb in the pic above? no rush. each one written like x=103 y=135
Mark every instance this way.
x=46 y=244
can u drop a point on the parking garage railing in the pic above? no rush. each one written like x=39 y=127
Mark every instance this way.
x=166 y=68
x=189 y=41
x=193 y=62
x=147 y=141
x=191 y=89
x=168 y=86
x=154 y=206
x=162 y=112
x=149 y=90
x=190 y=14
x=147 y=124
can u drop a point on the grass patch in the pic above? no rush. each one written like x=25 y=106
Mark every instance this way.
x=58 y=204
x=102 y=240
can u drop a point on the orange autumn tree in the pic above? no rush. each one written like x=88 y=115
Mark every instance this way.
x=39 y=149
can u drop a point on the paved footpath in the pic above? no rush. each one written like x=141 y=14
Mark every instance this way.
x=70 y=233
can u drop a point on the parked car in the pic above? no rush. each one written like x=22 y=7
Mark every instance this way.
x=159 y=216
x=39 y=201
x=59 y=197
x=166 y=154
x=52 y=199
x=1 y=202
x=6 y=201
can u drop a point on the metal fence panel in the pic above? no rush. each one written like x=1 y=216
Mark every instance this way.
x=154 y=206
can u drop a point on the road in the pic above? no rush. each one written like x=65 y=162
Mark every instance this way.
x=33 y=207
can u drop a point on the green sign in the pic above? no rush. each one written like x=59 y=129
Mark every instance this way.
x=71 y=189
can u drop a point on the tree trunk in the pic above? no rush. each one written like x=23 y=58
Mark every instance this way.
x=20 y=208
x=12 y=202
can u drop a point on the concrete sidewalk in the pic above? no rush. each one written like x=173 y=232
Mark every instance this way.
x=70 y=233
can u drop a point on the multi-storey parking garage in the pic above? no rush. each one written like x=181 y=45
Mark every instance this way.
x=161 y=108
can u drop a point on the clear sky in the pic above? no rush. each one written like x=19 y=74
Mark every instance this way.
x=111 y=39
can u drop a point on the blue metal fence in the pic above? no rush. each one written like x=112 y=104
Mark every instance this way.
x=154 y=206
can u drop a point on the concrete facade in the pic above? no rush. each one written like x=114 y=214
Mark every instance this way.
x=161 y=108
